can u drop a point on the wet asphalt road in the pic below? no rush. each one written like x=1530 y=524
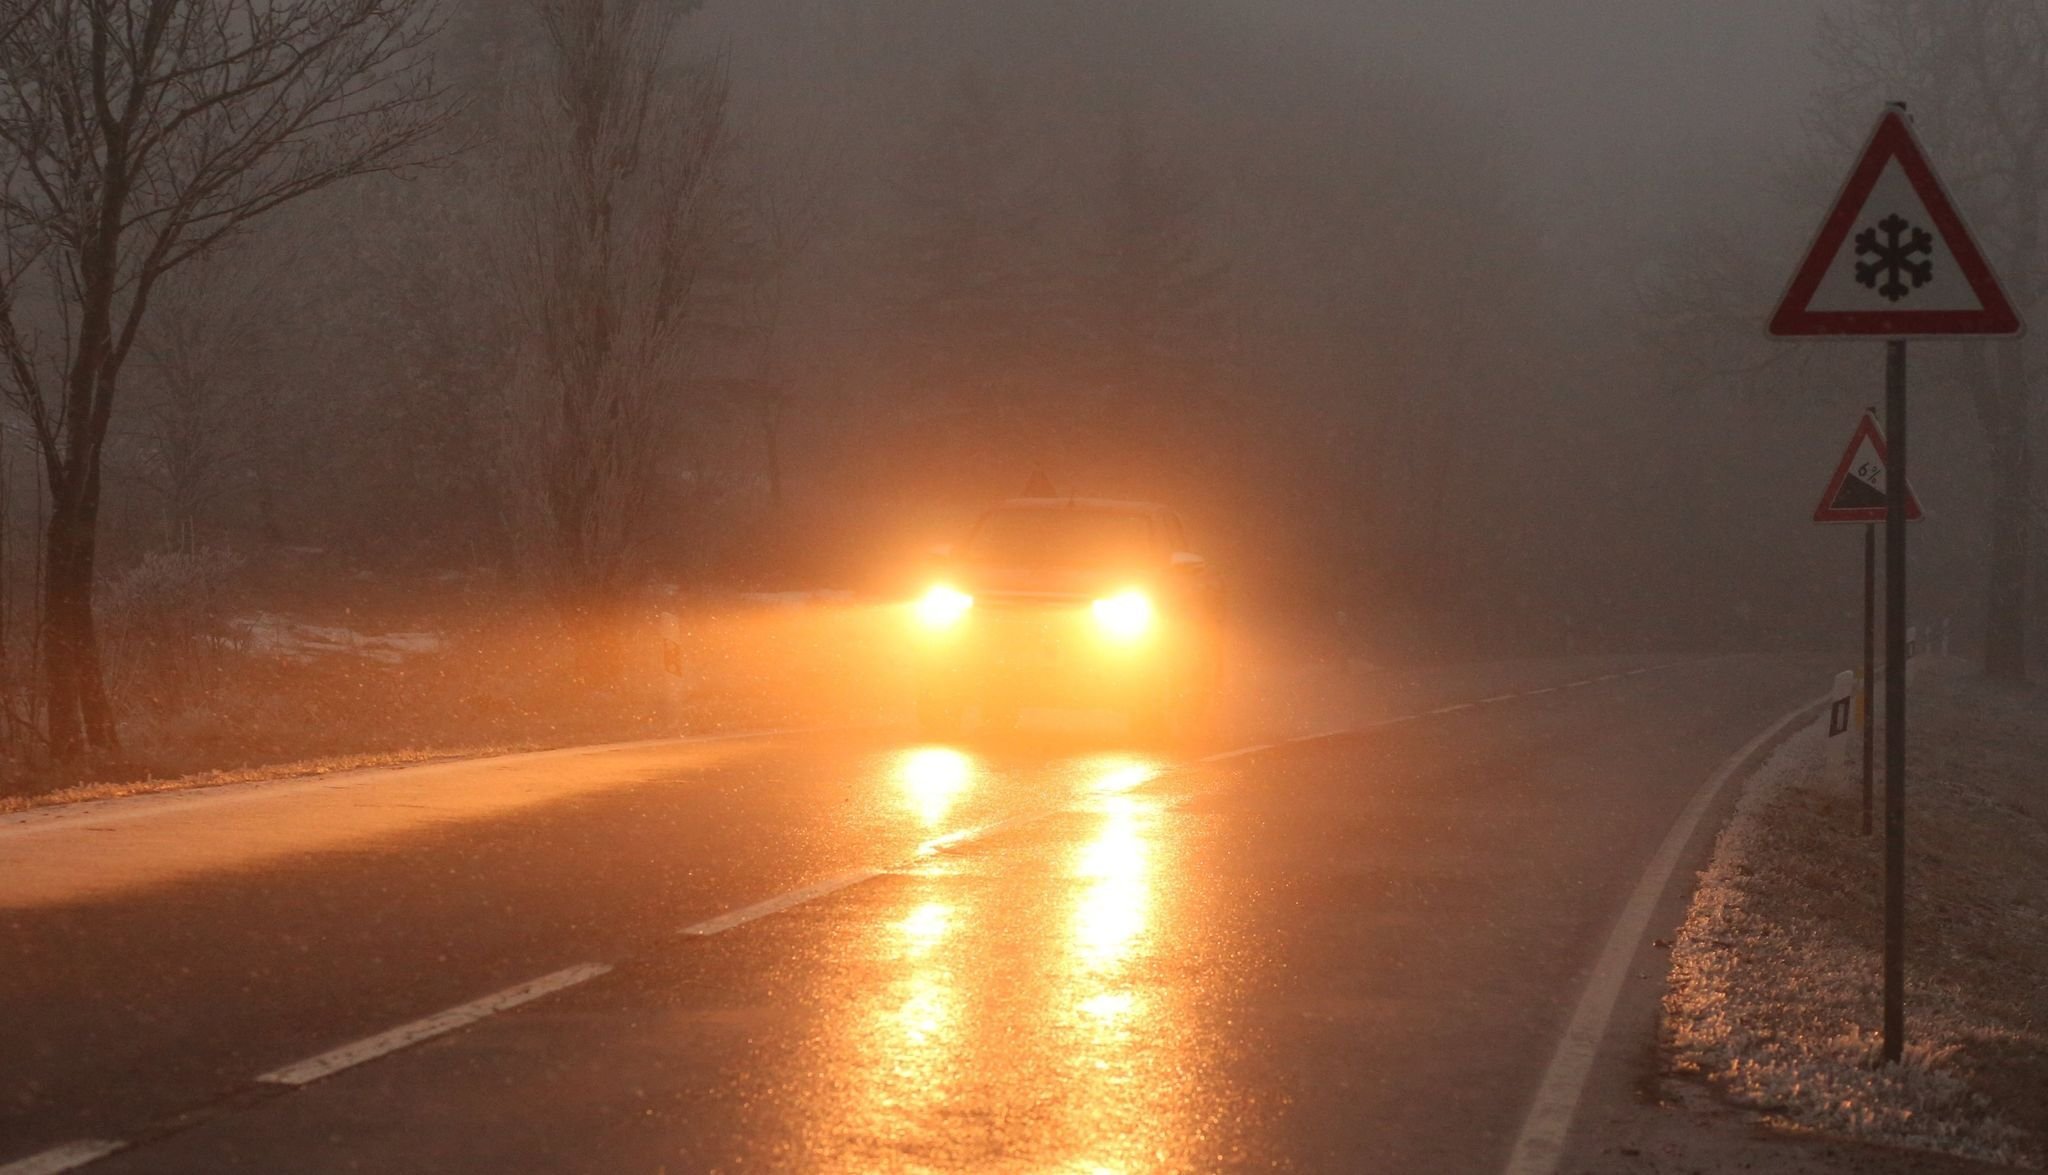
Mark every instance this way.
x=1350 y=954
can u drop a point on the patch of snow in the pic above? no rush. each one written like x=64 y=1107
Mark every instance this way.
x=269 y=634
x=1775 y=989
x=798 y=599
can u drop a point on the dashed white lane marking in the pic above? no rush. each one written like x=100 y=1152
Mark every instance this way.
x=1540 y=1145
x=1548 y=689
x=67 y=1157
x=781 y=902
x=370 y=1048
x=1496 y=698
x=1452 y=709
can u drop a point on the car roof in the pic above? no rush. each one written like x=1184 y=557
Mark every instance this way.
x=1115 y=504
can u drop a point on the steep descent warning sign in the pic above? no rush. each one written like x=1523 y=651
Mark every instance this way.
x=1857 y=491
x=1893 y=257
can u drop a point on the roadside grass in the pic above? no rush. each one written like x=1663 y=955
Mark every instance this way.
x=1775 y=991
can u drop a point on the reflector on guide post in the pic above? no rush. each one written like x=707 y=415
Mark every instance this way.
x=1857 y=491
x=1893 y=257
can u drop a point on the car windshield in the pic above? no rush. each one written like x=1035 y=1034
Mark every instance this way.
x=1074 y=536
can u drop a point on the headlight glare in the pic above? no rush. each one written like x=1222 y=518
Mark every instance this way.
x=943 y=606
x=1126 y=615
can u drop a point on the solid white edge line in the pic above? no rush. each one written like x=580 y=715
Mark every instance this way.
x=780 y=902
x=1540 y=1143
x=67 y=1157
x=372 y=1047
x=150 y=804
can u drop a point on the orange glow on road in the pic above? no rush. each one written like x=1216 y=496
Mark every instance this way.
x=1019 y=1020
x=932 y=780
x=1116 y=867
x=1127 y=1073
x=924 y=927
x=1121 y=775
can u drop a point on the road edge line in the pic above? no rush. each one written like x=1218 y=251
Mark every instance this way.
x=68 y=1156
x=1539 y=1144
x=448 y=1020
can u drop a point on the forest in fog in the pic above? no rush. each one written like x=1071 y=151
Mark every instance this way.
x=672 y=302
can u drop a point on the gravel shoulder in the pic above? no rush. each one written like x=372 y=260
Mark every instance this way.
x=1774 y=989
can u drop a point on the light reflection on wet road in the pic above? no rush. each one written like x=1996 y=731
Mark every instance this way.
x=980 y=1015
x=1347 y=957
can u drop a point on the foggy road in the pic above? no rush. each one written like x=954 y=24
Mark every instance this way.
x=842 y=950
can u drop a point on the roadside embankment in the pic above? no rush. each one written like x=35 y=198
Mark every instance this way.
x=1775 y=988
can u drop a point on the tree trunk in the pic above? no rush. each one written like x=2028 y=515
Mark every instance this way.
x=79 y=714
x=61 y=635
x=2005 y=605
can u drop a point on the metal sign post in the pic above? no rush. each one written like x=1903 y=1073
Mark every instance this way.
x=1895 y=707
x=1869 y=661
x=1860 y=492
x=1892 y=260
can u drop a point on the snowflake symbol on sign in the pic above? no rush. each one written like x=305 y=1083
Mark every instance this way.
x=1894 y=258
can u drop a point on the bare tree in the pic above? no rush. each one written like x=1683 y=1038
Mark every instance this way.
x=1160 y=288
x=622 y=222
x=200 y=390
x=135 y=135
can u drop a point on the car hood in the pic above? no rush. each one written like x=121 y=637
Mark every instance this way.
x=1070 y=582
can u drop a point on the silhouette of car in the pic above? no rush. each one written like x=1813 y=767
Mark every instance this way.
x=1069 y=602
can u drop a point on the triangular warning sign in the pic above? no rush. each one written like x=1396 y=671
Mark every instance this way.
x=1893 y=258
x=1857 y=491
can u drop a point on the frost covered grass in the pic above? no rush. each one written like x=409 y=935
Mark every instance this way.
x=1776 y=992
x=398 y=673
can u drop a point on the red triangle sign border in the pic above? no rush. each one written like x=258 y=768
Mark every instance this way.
x=1827 y=511
x=1893 y=139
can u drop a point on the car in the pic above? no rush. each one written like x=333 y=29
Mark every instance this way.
x=1068 y=603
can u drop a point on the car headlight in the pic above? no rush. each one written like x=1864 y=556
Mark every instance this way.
x=943 y=606
x=1124 y=616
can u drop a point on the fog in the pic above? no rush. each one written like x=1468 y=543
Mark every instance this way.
x=1441 y=323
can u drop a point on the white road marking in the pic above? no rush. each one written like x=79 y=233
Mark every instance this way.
x=1548 y=689
x=1240 y=752
x=781 y=902
x=950 y=840
x=370 y=1048
x=67 y=1157
x=1540 y=1145
x=1496 y=698
x=1452 y=709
